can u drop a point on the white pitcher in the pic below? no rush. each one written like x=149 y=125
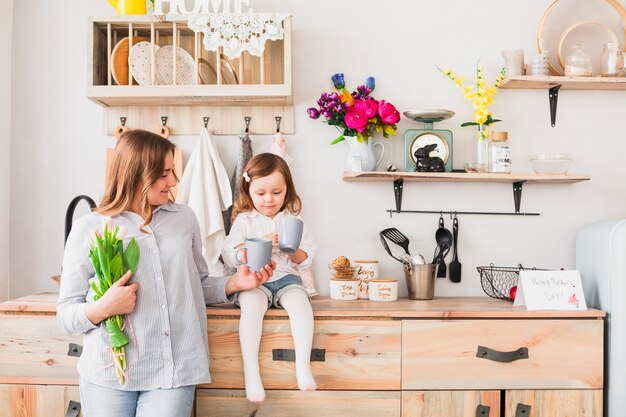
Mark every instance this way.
x=361 y=155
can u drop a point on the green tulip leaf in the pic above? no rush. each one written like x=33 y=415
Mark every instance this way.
x=116 y=267
x=337 y=140
x=117 y=338
x=131 y=256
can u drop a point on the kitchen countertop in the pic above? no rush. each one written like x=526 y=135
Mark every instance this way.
x=438 y=308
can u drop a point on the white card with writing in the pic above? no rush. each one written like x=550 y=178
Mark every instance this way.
x=550 y=290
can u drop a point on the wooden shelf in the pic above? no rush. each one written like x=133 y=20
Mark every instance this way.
x=566 y=83
x=463 y=177
x=516 y=180
x=263 y=90
x=190 y=95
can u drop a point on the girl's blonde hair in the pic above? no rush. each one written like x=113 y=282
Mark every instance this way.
x=138 y=162
x=262 y=165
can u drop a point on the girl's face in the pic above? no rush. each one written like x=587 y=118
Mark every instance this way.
x=159 y=192
x=268 y=193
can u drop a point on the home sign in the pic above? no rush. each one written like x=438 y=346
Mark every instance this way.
x=201 y=6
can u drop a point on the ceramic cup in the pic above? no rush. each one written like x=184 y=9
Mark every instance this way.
x=290 y=234
x=513 y=62
x=258 y=253
x=344 y=289
x=365 y=271
x=383 y=289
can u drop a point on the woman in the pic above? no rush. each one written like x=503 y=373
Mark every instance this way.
x=165 y=300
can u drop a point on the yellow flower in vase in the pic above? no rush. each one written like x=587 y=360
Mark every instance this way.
x=481 y=95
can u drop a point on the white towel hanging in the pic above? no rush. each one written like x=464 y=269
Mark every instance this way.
x=205 y=188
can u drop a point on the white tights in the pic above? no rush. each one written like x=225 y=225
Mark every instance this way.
x=253 y=305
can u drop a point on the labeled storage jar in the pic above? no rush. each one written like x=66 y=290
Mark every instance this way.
x=499 y=153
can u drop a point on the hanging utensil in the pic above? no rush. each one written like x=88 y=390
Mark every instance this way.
x=455 y=265
x=397 y=237
x=443 y=237
x=386 y=246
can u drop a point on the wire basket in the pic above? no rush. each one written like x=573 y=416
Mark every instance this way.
x=497 y=281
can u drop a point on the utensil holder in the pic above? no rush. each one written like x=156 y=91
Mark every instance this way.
x=420 y=280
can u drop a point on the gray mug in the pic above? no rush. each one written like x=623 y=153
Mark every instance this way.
x=290 y=234
x=258 y=253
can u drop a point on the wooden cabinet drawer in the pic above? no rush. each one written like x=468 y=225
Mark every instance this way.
x=233 y=403
x=443 y=354
x=554 y=403
x=451 y=403
x=359 y=355
x=39 y=401
x=35 y=351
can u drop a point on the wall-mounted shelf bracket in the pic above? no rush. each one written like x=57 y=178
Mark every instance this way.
x=553 y=96
x=517 y=194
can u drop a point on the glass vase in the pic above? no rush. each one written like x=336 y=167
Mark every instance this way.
x=482 y=149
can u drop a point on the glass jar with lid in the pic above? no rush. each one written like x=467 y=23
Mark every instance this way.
x=612 y=60
x=499 y=153
x=578 y=64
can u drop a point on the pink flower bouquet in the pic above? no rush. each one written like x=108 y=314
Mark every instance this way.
x=357 y=113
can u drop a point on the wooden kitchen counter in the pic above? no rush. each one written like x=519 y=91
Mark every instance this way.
x=441 y=307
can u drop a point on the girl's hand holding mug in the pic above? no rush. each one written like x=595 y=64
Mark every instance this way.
x=273 y=237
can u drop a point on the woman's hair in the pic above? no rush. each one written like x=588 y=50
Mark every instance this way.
x=262 y=165
x=138 y=162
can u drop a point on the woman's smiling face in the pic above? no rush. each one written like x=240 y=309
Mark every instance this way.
x=268 y=193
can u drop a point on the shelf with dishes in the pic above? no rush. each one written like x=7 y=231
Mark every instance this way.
x=516 y=179
x=141 y=61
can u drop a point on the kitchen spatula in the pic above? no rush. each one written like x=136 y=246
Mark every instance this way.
x=397 y=237
x=455 y=265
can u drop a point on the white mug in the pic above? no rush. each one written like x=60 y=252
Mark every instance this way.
x=365 y=271
x=383 y=289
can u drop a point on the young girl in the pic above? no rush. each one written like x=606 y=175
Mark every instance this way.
x=267 y=195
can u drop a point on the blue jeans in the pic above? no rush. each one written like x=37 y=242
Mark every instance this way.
x=97 y=401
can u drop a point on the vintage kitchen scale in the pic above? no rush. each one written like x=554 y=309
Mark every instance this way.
x=418 y=138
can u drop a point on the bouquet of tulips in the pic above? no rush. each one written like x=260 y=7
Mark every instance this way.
x=110 y=261
x=357 y=113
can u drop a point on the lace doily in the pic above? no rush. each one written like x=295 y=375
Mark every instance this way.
x=238 y=32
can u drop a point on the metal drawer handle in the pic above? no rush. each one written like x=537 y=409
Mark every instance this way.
x=522 y=410
x=498 y=356
x=482 y=410
x=289 y=355
x=74 y=350
x=73 y=409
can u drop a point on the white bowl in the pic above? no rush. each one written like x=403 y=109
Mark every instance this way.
x=550 y=163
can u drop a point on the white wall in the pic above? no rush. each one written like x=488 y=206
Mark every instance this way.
x=6 y=29
x=58 y=145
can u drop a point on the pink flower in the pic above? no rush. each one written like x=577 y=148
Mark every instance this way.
x=368 y=106
x=355 y=119
x=121 y=233
x=388 y=113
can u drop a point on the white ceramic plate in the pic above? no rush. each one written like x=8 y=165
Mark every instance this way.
x=140 y=63
x=229 y=76
x=185 y=66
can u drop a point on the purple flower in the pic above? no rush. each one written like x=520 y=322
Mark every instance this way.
x=339 y=81
x=313 y=113
x=363 y=90
x=334 y=96
x=327 y=114
x=370 y=83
